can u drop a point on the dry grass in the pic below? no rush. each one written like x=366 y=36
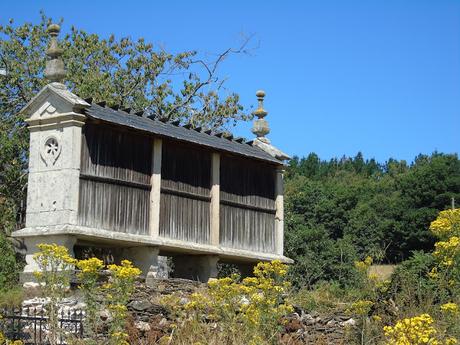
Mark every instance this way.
x=383 y=272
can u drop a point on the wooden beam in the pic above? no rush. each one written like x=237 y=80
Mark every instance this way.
x=155 y=192
x=215 y=198
x=279 y=215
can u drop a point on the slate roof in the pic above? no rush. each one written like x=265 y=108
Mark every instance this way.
x=214 y=140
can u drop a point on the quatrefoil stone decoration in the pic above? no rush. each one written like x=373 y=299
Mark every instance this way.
x=51 y=151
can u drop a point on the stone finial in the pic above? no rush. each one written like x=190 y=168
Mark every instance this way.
x=260 y=127
x=54 y=70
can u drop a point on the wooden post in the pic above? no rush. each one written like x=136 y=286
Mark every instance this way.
x=215 y=198
x=279 y=215
x=155 y=192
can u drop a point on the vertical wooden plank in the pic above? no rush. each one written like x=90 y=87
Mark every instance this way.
x=279 y=215
x=215 y=198
x=155 y=192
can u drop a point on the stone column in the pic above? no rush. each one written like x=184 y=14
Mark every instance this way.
x=54 y=170
x=31 y=246
x=215 y=199
x=279 y=215
x=144 y=258
x=155 y=193
x=196 y=267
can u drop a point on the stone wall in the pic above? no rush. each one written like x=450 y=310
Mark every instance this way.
x=150 y=319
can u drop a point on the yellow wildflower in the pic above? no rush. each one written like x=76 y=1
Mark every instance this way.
x=449 y=308
x=412 y=331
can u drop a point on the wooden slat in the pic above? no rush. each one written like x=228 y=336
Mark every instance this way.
x=185 y=193
x=115 y=180
x=247 y=199
x=113 y=207
x=121 y=155
x=247 y=229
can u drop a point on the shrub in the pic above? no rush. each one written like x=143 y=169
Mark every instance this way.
x=247 y=311
x=8 y=265
x=56 y=267
x=410 y=284
x=319 y=258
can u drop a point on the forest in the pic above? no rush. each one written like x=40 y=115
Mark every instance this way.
x=345 y=209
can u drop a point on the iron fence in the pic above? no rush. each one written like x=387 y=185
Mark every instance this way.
x=30 y=325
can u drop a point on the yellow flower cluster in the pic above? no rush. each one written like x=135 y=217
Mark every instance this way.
x=447 y=224
x=361 y=307
x=451 y=341
x=412 y=331
x=125 y=271
x=364 y=265
x=255 y=301
x=90 y=266
x=52 y=253
x=450 y=308
x=119 y=338
x=446 y=251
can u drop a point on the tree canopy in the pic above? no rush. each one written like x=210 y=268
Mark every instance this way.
x=344 y=209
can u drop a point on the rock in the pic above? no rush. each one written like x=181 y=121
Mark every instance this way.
x=163 y=322
x=142 y=326
x=31 y=285
x=350 y=322
x=105 y=315
x=331 y=323
x=140 y=305
x=293 y=325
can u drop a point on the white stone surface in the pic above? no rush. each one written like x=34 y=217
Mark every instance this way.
x=31 y=244
x=165 y=244
x=271 y=150
x=53 y=185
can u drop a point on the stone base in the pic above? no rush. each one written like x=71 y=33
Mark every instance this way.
x=31 y=246
x=200 y=268
x=144 y=258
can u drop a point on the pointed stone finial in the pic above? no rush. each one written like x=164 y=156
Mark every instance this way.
x=54 y=70
x=260 y=127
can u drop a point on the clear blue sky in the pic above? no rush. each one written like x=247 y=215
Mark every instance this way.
x=381 y=77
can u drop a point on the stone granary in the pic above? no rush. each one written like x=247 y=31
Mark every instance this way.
x=108 y=179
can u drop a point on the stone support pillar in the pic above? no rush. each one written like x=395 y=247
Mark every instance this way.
x=144 y=258
x=215 y=198
x=196 y=267
x=279 y=215
x=155 y=193
x=31 y=247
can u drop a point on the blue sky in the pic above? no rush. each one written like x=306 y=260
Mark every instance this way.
x=381 y=77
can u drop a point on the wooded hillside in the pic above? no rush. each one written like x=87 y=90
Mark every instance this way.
x=344 y=209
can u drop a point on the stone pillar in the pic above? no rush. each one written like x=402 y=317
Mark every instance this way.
x=155 y=193
x=196 y=267
x=144 y=258
x=279 y=215
x=215 y=199
x=54 y=169
x=31 y=247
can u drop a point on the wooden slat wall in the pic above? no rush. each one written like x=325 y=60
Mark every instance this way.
x=185 y=193
x=247 y=197
x=115 y=179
